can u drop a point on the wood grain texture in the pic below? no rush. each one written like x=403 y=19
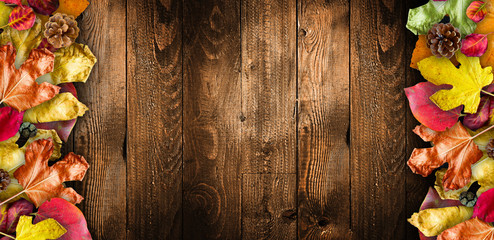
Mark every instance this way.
x=212 y=120
x=154 y=119
x=324 y=119
x=269 y=86
x=270 y=212
x=378 y=115
x=100 y=135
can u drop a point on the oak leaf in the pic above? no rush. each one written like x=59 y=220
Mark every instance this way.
x=454 y=146
x=473 y=229
x=467 y=81
x=19 y=88
x=41 y=182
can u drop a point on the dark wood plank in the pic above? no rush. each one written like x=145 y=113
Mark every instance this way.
x=154 y=87
x=324 y=120
x=416 y=185
x=270 y=209
x=269 y=58
x=378 y=115
x=100 y=135
x=212 y=118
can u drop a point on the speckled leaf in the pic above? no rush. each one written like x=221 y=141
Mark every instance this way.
x=45 y=7
x=22 y=18
x=474 y=45
x=477 y=11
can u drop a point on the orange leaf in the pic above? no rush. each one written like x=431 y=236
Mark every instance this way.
x=41 y=182
x=72 y=7
x=18 y=87
x=422 y=52
x=454 y=146
x=472 y=229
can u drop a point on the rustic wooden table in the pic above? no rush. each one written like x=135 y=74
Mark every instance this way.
x=248 y=119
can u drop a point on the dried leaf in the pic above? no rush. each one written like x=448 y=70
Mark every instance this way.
x=45 y=7
x=22 y=18
x=484 y=208
x=473 y=229
x=481 y=117
x=10 y=121
x=474 y=45
x=19 y=87
x=4 y=14
x=467 y=81
x=72 y=64
x=454 y=146
x=68 y=215
x=45 y=44
x=72 y=7
x=11 y=213
x=487 y=60
x=422 y=52
x=47 y=229
x=431 y=222
x=62 y=107
x=24 y=41
x=41 y=182
x=427 y=112
x=477 y=11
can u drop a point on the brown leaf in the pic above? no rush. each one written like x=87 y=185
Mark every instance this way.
x=41 y=182
x=454 y=146
x=472 y=229
x=18 y=87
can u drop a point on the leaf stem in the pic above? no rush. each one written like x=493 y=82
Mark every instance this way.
x=478 y=134
x=488 y=93
x=18 y=194
x=7 y=235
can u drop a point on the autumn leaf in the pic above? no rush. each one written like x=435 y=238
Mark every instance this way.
x=477 y=11
x=46 y=229
x=474 y=45
x=467 y=81
x=427 y=112
x=68 y=215
x=72 y=7
x=41 y=182
x=10 y=121
x=19 y=88
x=4 y=14
x=484 y=208
x=481 y=117
x=454 y=146
x=23 y=41
x=62 y=107
x=22 y=18
x=431 y=222
x=10 y=214
x=473 y=229
x=422 y=52
x=45 y=7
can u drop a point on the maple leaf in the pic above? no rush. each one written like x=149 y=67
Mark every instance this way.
x=18 y=86
x=41 y=182
x=472 y=229
x=47 y=229
x=454 y=146
x=467 y=81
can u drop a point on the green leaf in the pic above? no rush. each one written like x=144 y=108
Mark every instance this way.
x=24 y=41
x=72 y=64
x=421 y=19
x=4 y=14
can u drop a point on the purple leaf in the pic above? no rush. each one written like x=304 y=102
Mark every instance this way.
x=481 y=117
x=9 y=215
x=427 y=112
x=44 y=7
x=10 y=121
x=17 y=2
x=45 y=44
x=484 y=209
x=474 y=45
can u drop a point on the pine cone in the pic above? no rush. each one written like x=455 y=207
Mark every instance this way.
x=490 y=148
x=61 y=30
x=4 y=179
x=444 y=40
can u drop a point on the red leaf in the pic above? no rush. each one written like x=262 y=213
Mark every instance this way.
x=46 y=45
x=22 y=18
x=10 y=214
x=45 y=7
x=427 y=112
x=474 y=45
x=10 y=121
x=473 y=229
x=68 y=215
x=17 y=2
x=484 y=209
x=477 y=11
x=478 y=120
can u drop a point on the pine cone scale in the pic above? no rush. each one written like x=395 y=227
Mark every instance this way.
x=61 y=30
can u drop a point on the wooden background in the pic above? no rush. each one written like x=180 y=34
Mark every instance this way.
x=248 y=119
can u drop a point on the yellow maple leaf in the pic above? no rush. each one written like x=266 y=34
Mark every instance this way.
x=467 y=81
x=72 y=7
x=433 y=221
x=46 y=229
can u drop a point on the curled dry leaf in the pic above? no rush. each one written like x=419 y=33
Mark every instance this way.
x=454 y=146
x=477 y=11
x=427 y=112
x=431 y=222
x=19 y=88
x=473 y=229
x=41 y=182
x=474 y=45
x=10 y=121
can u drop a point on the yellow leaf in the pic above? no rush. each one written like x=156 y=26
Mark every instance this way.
x=46 y=229
x=72 y=7
x=433 y=221
x=62 y=107
x=467 y=81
